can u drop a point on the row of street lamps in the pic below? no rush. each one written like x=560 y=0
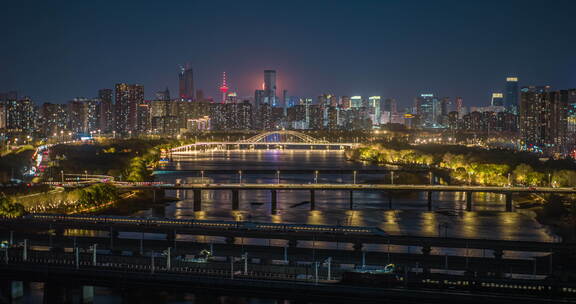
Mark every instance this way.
x=354 y=174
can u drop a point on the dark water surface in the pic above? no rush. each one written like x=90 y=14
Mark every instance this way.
x=409 y=215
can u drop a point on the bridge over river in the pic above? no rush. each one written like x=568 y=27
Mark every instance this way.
x=87 y=250
x=313 y=187
x=282 y=139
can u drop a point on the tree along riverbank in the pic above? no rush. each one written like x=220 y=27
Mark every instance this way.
x=464 y=165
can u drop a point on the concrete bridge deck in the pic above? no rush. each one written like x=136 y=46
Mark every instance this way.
x=61 y=269
x=349 y=187
x=289 y=232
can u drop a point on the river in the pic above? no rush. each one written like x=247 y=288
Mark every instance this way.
x=409 y=215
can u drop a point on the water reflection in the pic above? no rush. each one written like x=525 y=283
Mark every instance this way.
x=448 y=217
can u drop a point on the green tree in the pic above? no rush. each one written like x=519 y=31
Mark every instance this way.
x=564 y=178
x=522 y=174
x=9 y=208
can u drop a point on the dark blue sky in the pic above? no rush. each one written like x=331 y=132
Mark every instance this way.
x=57 y=50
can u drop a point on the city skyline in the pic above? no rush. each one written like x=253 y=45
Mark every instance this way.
x=376 y=52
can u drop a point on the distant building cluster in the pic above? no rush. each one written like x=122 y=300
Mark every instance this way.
x=543 y=120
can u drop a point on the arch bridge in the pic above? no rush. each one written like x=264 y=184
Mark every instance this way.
x=281 y=139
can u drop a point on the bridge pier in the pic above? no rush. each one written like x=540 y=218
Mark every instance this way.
x=351 y=200
x=274 y=202
x=230 y=240
x=312 y=200
x=235 y=200
x=157 y=195
x=87 y=294
x=55 y=293
x=509 y=205
x=498 y=254
x=159 y=211
x=14 y=290
x=197 y=199
x=292 y=243
x=113 y=234
x=59 y=232
x=429 y=200
x=469 y=206
x=171 y=236
x=426 y=249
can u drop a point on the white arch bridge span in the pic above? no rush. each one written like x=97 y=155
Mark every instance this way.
x=284 y=139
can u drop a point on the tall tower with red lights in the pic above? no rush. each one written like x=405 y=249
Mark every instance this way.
x=224 y=87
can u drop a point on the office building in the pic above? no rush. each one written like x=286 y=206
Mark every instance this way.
x=270 y=88
x=374 y=103
x=497 y=100
x=511 y=95
x=428 y=109
x=186 y=83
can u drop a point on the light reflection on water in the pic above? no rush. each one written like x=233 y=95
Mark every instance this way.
x=332 y=207
x=449 y=217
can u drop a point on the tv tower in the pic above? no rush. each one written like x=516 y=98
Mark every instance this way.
x=224 y=87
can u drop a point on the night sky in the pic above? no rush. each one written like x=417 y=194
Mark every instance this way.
x=54 y=51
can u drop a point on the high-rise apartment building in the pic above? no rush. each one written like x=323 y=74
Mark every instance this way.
x=105 y=111
x=127 y=99
x=54 y=118
x=20 y=115
x=543 y=119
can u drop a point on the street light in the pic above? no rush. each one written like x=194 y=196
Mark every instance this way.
x=392 y=177
x=62 y=173
x=354 y=174
x=240 y=176
x=202 y=176
x=278 y=176
x=316 y=176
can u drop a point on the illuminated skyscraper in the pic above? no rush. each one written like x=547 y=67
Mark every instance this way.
x=428 y=108
x=497 y=99
x=511 y=95
x=356 y=101
x=270 y=87
x=375 y=110
x=186 y=83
